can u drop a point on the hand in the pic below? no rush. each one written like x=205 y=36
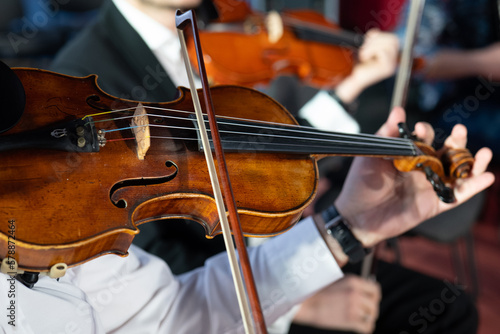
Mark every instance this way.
x=350 y=304
x=377 y=60
x=378 y=57
x=381 y=202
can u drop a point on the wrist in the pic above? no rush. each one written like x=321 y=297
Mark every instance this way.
x=347 y=107
x=349 y=89
x=336 y=231
x=358 y=227
x=332 y=244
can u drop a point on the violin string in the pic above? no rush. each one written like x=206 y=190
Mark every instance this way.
x=321 y=141
x=119 y=139
x=108 y=112
x=387 y=141
x=225 y=141
x=285 y=127
x=322 y=146
x=307 y=147
x=284 y=145
x=294 y=129
x=326 y=142
x=289 y=127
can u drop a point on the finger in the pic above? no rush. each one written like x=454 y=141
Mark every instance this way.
x=481 y=161
x=480 y=180
x=424 y=131
x=381 y=41
x=361 y=327
x=370 y=35
x=371 y=289
x=366 y=320
x=370 y=308
x=375 y=46
x=365 y=288
x=390 y=127
x=470 y=187
x=367 y=53
x=371 y=299
x=372 y=31
x=457 y=138
x=379 y=55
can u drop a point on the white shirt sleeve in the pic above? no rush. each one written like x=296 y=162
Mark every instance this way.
x=139 y=294
x=325 y=113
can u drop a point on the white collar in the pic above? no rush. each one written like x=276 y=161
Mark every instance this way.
x=154 y=34
x=163 y=42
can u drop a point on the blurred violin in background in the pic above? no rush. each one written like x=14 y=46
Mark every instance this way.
x=248 y=48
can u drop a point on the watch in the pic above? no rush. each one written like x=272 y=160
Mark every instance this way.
x=338 y=229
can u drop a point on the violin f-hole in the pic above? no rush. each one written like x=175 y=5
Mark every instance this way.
x=95 y=102
x=122 y=203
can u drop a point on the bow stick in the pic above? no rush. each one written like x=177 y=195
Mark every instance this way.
x=182 y=20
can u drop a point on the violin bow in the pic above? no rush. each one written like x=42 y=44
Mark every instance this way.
x=400 y=92
x=182 y=20
x=404 y=72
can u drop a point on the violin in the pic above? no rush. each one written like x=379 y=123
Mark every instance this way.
x=79 y=176
x=241 y=48
x=297 y=51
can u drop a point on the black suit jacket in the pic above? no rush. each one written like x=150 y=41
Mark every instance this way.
x=127 y=68
x=113 y=50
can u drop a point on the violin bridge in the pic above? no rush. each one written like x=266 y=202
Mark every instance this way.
x=140 y=128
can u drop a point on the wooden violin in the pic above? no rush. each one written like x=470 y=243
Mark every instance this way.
x=240 y=49
x=321 y=64
x=78 y=174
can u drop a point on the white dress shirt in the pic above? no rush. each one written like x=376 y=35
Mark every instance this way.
x=139 y=294
x=163 y=42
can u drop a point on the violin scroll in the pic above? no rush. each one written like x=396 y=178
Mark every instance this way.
x=458 y=162
x=443 y=171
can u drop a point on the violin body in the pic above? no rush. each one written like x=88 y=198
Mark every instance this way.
x=249 y=59
x=77 y=182
x=86 y=204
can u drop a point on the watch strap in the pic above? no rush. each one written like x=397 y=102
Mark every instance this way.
x=338 y=229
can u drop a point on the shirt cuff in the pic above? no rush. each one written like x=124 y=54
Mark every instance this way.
x=298 y=264
x=325 y=113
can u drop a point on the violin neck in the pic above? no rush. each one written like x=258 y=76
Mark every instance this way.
x=238 y=135
x=309 y=31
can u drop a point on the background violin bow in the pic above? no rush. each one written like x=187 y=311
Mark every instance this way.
x=405 y=66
